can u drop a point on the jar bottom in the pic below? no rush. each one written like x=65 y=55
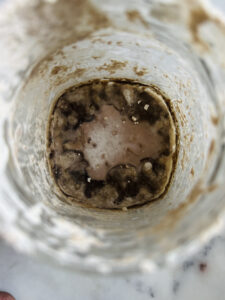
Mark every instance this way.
x=111 y=144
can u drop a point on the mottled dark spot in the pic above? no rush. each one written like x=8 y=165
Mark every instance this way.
x=119 y=199
x=202 y=267
x=139 y=286
x=56 y=171
x=75 y=127
x=166 y=152
x=51 y=155
x=176 y=286
x=132 y=189
x=67 y=126
x=152 y=114
x=164 y=135
x=151 y=293
x=125 y=179
x=158 y=168
x=92 y=187
x=78 y=176
x=187 y=265
x=81 y=110
x=66 y=108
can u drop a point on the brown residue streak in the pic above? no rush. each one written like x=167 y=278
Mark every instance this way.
x=215 y=120
x=140 y=72
x=166 y=12
x=58 y=69
x=183 y=118
x=174 y=215
x=113 y=66
x=101 y=40
x=98 y=40
x=62 y=19
x=60 y=52
x=182 y=123
x=97 y=18
x=212 y=188
x=134 y=15
x=202 y=267
x=183 y=160
x=212 y=147
x=198 y=16
x=41 y=66
x=78 y=72
x=192 y=172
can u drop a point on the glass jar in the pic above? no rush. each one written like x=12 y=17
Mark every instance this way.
x=49 y=46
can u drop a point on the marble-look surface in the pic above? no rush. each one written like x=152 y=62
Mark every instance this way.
x=202 y=277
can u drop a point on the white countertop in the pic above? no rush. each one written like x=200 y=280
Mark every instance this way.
x=201 y=277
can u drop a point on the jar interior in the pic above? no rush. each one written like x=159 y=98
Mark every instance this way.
x=101 y=239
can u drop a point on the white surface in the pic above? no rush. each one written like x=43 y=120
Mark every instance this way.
x=27 y=279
